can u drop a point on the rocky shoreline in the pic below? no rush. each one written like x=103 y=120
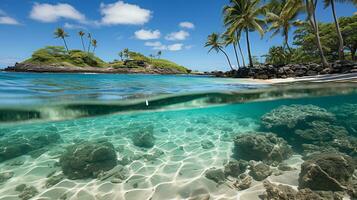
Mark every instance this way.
x=53 y=68
x=268 y=71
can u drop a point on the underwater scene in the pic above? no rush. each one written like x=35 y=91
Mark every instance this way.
x=217 y=140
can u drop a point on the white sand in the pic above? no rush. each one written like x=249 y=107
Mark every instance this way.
x=178 y=174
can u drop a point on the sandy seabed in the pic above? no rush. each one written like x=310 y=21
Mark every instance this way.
x=178 y=173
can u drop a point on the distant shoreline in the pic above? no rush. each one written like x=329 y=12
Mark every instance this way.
x=19 y=67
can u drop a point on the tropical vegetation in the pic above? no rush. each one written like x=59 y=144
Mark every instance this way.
x=63 y=56
x=313 y=41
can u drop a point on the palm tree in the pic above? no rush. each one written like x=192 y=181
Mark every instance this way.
x=311 y=15
x=239 y=47
x=285 y=19
x=60 y=33
x=232 y=39
x=215 y=44
x=159 y=53
x=121 y=55
x=81 y=34
x=94 y=44
x=331 y=3
x=89 y=35
x=126 y=53
x=243 y=15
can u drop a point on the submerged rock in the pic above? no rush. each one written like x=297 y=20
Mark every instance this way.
x=283 y=118
x=321 y=131
x=6 y=176
x=143 y=137
x=53 y=180
x=88 y=159
x=285 y=167
x=285 y=192
x=15 y=145
x=216 y=175
x=28 y=192
x=243 y=183
x=278 y=192
x=260 y=171
x=235 y=167
x=207 y=144
x=346 y=114
x=266 y=147
x=327 y=171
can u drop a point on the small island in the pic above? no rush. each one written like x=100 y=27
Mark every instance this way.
x=59 y=59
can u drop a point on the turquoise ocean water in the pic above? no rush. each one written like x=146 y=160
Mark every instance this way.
x=182 y=112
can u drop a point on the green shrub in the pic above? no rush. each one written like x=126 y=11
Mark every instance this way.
x=162 y=63
x=55 y=54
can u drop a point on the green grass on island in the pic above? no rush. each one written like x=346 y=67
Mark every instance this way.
x=58 y=56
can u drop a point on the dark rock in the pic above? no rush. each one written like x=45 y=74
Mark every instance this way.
x=216 y=175
x=28 y=192
x=320 y=131
x=143 y=137
x=235 y=167
x=278 y=192
x=284 y=192
x=291 y=117
x=207 y=144
x=53 y=180
x=15 y=145
x=20 y=188
x=4 y=176
x=330 y=172
x=243 y=182
x=88 y=159
x=260 y=171
x=346 y=115
x=285 y=167
x=307 y=194
x=266 y=147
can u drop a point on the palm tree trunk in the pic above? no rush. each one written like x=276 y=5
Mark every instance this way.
x=235 y=52
x=84 y=48
x=90 y=40
x=341 y=55
x=323 y=58
x=229 y=61
x=248 y=45
x=287 y=42
x=311 y=6
x=65 y=44
x=93 y=49
x=353 y=54
x=241 y=53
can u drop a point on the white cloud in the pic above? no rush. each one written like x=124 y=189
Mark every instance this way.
x=159 y=46
x=156 y=45
x=73 y=26
x=4 y=19
x=8 y=20
x=188 y=46
x=52 y=13
x=180 y=35
x=153 y=44
x=175 y=47
x=188 y=25
x=123 y=13
x=143 y=34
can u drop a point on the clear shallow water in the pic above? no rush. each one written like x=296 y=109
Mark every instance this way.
x=35 y=88
x=174 y=168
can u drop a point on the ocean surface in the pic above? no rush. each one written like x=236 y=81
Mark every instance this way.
x=166 y=131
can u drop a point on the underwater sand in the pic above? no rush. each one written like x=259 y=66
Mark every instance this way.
x=178 y=173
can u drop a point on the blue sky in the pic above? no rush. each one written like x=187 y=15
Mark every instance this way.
x=177 y=27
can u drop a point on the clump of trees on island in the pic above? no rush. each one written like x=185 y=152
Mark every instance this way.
x=63 y=56
x=316 y=42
